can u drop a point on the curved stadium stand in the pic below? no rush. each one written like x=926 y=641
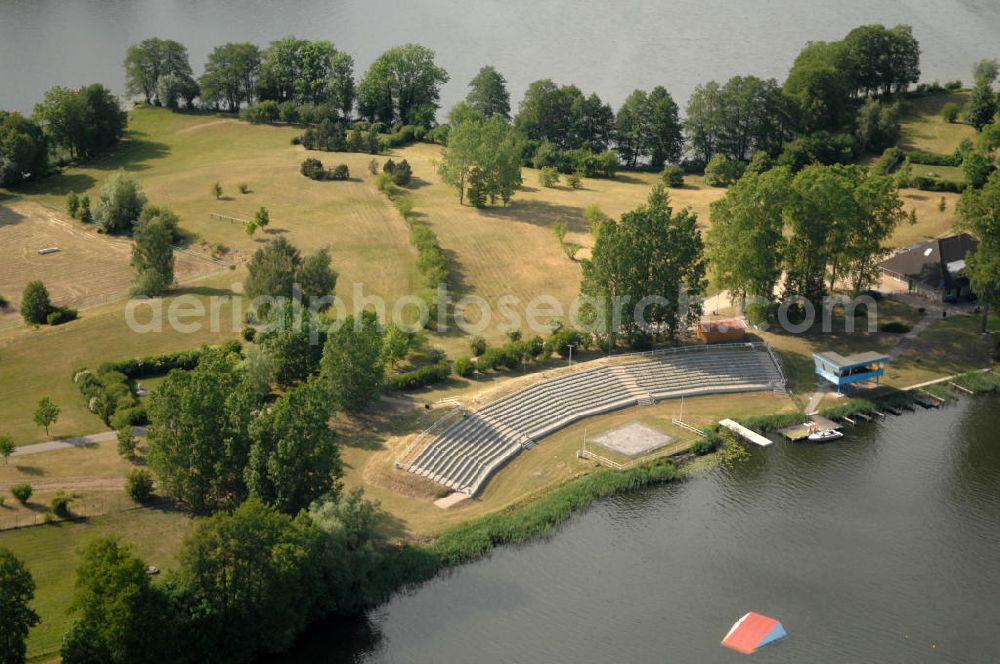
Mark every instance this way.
x=466 y=453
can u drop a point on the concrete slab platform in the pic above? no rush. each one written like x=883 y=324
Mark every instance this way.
x=633 y=439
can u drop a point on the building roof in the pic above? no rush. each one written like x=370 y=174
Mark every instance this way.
x=753 y=631
x=855 y=360
x=938 y=263
x=724 y=325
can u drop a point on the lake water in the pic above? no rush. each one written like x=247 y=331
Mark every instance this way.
x=882 y=547
x=610 y=48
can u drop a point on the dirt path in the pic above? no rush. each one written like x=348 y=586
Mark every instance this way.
x=66 y=443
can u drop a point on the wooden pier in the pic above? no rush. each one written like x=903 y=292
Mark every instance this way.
x=745 y=433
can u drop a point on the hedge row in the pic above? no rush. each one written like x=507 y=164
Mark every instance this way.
x=475 y=539
x=925 y=183
x=155 y=365
x=934 y=158
x=432 y=263
x=425 y=375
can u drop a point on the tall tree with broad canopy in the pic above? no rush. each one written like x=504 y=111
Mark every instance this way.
x=746 y=240
x=120 y=204
x=979 y=211
x=402 y=85
x=153 y=256
x=652 y=260
x=231 y=75
x=307 y=72
x=353 y=367
x=838 y=216
x=120 y=616
x=482 y=158
x=83 y=122
x=251 y=577
x=488 y=93
x=199 y=441
x=17 y=590
x=150 y=60
x=294 y=458
x=648 y=127
x=24 y=151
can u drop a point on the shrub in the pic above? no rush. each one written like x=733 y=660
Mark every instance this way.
x=673 y=175
x=548 y=176
x=313 y=169
x=888 y=162
x=243 y=187
x=60 y=505
x=425 y=375
x=22 y=492
x=769 y=423
x=248 y=333
x=73 y=205
x=35 y=303
x=950 y=112
x=708 y=444
x=139 y=485
x=126 y=441
x=373 y=167
x=288 y=111
x=477 y=345
x=976 y=167
x=935 y=159
x=402 y=174
x=575 y=180
x=464 y=367
x=340 y=172
x=564 y=337
x=925 y=183
x=4 y=303
x=722 y=171
x=61 y=315
x=895 y=327
x=989 y=139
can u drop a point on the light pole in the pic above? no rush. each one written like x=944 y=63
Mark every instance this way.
x=570 y=354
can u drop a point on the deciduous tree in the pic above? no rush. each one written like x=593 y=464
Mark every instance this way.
x=488 y=93
x=352 y=365
x=403 y=84
x=17 y=590
x=199 y=440
x=294 y=459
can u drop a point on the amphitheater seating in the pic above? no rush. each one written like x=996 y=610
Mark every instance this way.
x=465 y=454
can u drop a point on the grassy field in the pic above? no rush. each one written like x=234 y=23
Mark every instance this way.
x=177 y=157
x=923 y=128
x=88 y=269
x=40 y=362
x=52 y=553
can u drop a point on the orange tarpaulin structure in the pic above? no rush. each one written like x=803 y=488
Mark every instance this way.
x=753 y=631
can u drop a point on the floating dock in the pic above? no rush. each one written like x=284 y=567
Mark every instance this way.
x=742 y=431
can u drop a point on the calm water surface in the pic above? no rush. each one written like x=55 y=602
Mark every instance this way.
x=884 y=547
x=608 y=47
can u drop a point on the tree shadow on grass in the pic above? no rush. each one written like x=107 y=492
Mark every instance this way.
x=207 y=291
x=60 y=185
x=34 y=471
x=540 y=213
